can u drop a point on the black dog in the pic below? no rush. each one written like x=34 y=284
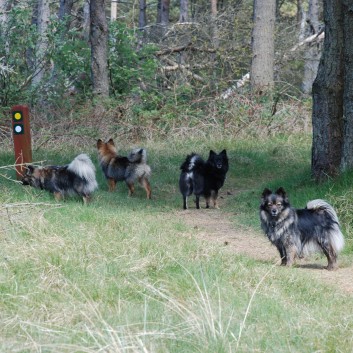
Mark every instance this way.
x=203 y=178
x=297 y=232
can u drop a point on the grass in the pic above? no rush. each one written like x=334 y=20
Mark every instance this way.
x=128 y=275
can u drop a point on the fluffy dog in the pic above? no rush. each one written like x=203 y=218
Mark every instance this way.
x=129 y=169
x=298 y=232
x=203 y=178
x=76 y=178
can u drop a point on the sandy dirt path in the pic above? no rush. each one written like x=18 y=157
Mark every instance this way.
x=216 y=226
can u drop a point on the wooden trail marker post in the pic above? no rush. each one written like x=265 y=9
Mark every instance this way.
x=21 y=138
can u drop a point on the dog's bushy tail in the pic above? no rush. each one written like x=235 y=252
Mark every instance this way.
x=335 y=235
x=192 y=162
x=85 y=169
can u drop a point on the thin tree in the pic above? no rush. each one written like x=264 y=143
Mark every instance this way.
x=262 y=63
x=332 y=149
x=184 y=11
x=86 y=23
x=99 y=48
x=42 y=21
x=65 y=8
x=313 y=53
x=113 y=10
x=3 y=11
x=142 y=14
x=165 y=4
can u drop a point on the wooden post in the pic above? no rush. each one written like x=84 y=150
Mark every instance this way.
x=21 y=137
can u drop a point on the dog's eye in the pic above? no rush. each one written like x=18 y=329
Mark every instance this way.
x=270 y=204
x=279 y=203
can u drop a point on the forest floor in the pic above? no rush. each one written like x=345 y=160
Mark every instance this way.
x=215 y=226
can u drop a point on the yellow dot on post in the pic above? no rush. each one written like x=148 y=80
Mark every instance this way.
x=18 y=116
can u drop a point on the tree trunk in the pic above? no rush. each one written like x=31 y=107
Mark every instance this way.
x=113 y=10
x=86 y=25
x=142 y=15
x=263 y=45
x=347 y=157
x=165 y=12
x=159 y=11
x=301 y=20
x=328 y=96
x=184 y=11
x=215 y=43
x=99 y=48
x=3 y=11
x=214 y=29
x=42 y=21
x=65 y=9
x=313 y=53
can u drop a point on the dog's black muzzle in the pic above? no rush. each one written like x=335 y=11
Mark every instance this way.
x=274 y=212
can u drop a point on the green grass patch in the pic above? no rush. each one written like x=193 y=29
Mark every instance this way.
x=129 y=275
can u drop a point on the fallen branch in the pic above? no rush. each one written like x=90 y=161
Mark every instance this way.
x=239 y=83
x=175 y=66
x=317 y=36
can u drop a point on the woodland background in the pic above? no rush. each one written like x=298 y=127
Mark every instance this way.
x=172 y=67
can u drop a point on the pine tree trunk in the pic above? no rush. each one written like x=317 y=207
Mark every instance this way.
x=165 y=12
x=184 y=11
x=263 y=45
x=99 y=48
x=43 y=15
x=347 y=156
x=86 y=24
x=142 y=14
x=328 y=97
x=65 y=9
x=313 y=53
x=113 y=10
x=3 y=10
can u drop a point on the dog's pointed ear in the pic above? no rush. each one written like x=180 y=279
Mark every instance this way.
x=212 y=152
x=99 y=143
x=266 y=193
x=264 y=196
x=280 y=191
x=111 y=142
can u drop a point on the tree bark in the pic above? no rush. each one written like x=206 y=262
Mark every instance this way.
x=142 y=15
x=86 y=20
x=3 y=11
x=42 y=21
x=99 y=48
x=184 y=11
x=65 y=9
x=113 y=10
x=328 y=96
x=347 y=157
x=165 y=12
x=313 y=53
x=263 y=45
